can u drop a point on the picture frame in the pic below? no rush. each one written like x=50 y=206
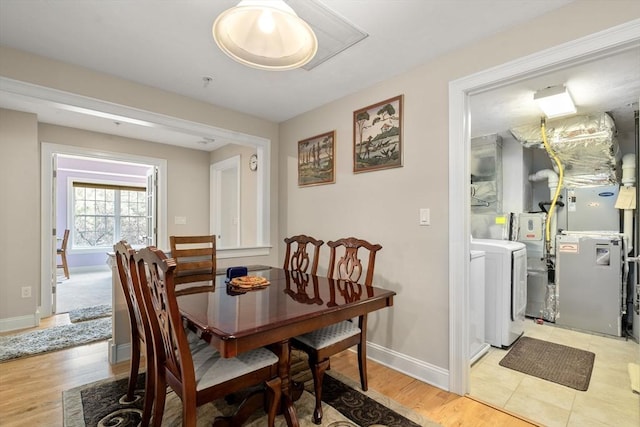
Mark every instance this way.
x=316 y=160
x=377 y=136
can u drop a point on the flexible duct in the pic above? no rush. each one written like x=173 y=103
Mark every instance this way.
x=628 y=180
x=552 y=182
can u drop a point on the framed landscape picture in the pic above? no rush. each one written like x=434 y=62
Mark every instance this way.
x=377 y=136
x=316 y=160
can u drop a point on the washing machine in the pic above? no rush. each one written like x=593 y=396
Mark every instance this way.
x=505 y=289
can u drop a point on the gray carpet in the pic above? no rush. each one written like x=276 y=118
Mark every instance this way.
x=54 y=338
x=557 y=363
x=90 y=313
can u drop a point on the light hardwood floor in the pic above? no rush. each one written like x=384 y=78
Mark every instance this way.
x=31 y=388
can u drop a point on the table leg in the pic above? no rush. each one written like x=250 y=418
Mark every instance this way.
x=283 y=350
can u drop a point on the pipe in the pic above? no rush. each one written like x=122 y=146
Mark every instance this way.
x=628 y=180
x=552 y=181
x=552 y=208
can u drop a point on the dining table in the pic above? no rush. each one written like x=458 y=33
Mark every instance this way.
x=234 y=320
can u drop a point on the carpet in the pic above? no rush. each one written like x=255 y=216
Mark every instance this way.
x=89 y=313
x=54 y=338
x=101 y=404
x=557 y=363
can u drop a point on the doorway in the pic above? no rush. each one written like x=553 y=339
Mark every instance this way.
x=460 y=91
x=99 y=201
x=50 y=211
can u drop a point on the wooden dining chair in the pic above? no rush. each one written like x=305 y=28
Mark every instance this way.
x=62 y=252
x=296 y=257
x=139 y=327
x=195 y=257
x=321 y=344
x=190 y=366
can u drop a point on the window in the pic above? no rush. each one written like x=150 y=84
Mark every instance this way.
x=104 y=214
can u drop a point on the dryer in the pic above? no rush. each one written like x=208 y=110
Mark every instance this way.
x=505 y=289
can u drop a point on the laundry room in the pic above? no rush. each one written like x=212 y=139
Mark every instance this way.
x=554 y=220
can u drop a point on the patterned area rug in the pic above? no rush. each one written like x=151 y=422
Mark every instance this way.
x=101 y=404
x=54 y=338
x=90 y=313
x=557 y=363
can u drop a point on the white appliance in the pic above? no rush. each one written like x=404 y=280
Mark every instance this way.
x=505 y=289
x=477 y=344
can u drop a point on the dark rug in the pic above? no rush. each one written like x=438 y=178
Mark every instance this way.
x=102 y=404
x=557 y=363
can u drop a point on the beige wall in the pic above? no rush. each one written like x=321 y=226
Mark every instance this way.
x=19 y=214
x=383 y=206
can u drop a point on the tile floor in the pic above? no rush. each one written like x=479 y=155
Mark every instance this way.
x=609 y=400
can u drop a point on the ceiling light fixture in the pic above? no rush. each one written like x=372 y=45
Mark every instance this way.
x=265 y=34
x=555 y=101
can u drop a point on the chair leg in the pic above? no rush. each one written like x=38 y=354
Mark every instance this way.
x=64 y=265
x=317 y=370
x=362 y=365
x=149 y=390
x=160 y=395
x=133 y=368
x=273 y=395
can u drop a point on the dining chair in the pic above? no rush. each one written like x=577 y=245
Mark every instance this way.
x=189 y=365
x=323 y=343
x=139 y=327
x=62 y=251
x=298 y=259
x=195 y=257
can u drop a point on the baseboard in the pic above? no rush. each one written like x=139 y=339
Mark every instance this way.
x=430 y=374
x=119 y=353
x=20 y=322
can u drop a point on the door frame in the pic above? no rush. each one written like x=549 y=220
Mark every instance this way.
x=48 y=150
x=460 y=91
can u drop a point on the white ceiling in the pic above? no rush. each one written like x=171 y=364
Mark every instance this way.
x=168 y=45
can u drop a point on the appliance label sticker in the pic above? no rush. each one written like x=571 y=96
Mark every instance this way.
x=566 y=247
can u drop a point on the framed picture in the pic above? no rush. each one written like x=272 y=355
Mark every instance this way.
x=377 y=136
x=316 y=160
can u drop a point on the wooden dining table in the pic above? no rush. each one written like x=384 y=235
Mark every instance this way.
x=235 y=321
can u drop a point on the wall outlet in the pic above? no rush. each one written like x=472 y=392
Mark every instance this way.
x=26 y=292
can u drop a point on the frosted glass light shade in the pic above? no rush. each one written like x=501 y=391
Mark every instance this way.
x=265 y=34
x=555 y=101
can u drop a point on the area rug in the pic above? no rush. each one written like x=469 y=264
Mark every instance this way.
x=101 y=404
x=54 y=338
x=89 y=313
x=557 y=363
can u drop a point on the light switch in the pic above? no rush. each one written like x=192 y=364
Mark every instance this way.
x=180 y=220
x=425 y=216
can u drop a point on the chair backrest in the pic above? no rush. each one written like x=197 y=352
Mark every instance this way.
x=65 y=240
x=195 y=257
x=128 y=274
x=171 y=347
x=298 y=260
x=348 y=266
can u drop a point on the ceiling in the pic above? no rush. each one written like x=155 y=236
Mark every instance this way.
x=168 y=45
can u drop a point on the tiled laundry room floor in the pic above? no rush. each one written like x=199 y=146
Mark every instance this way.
x=609 y=400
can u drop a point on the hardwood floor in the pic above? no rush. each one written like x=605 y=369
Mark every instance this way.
x=31 y=388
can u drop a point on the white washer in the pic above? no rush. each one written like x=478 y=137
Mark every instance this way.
x=506 y=289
